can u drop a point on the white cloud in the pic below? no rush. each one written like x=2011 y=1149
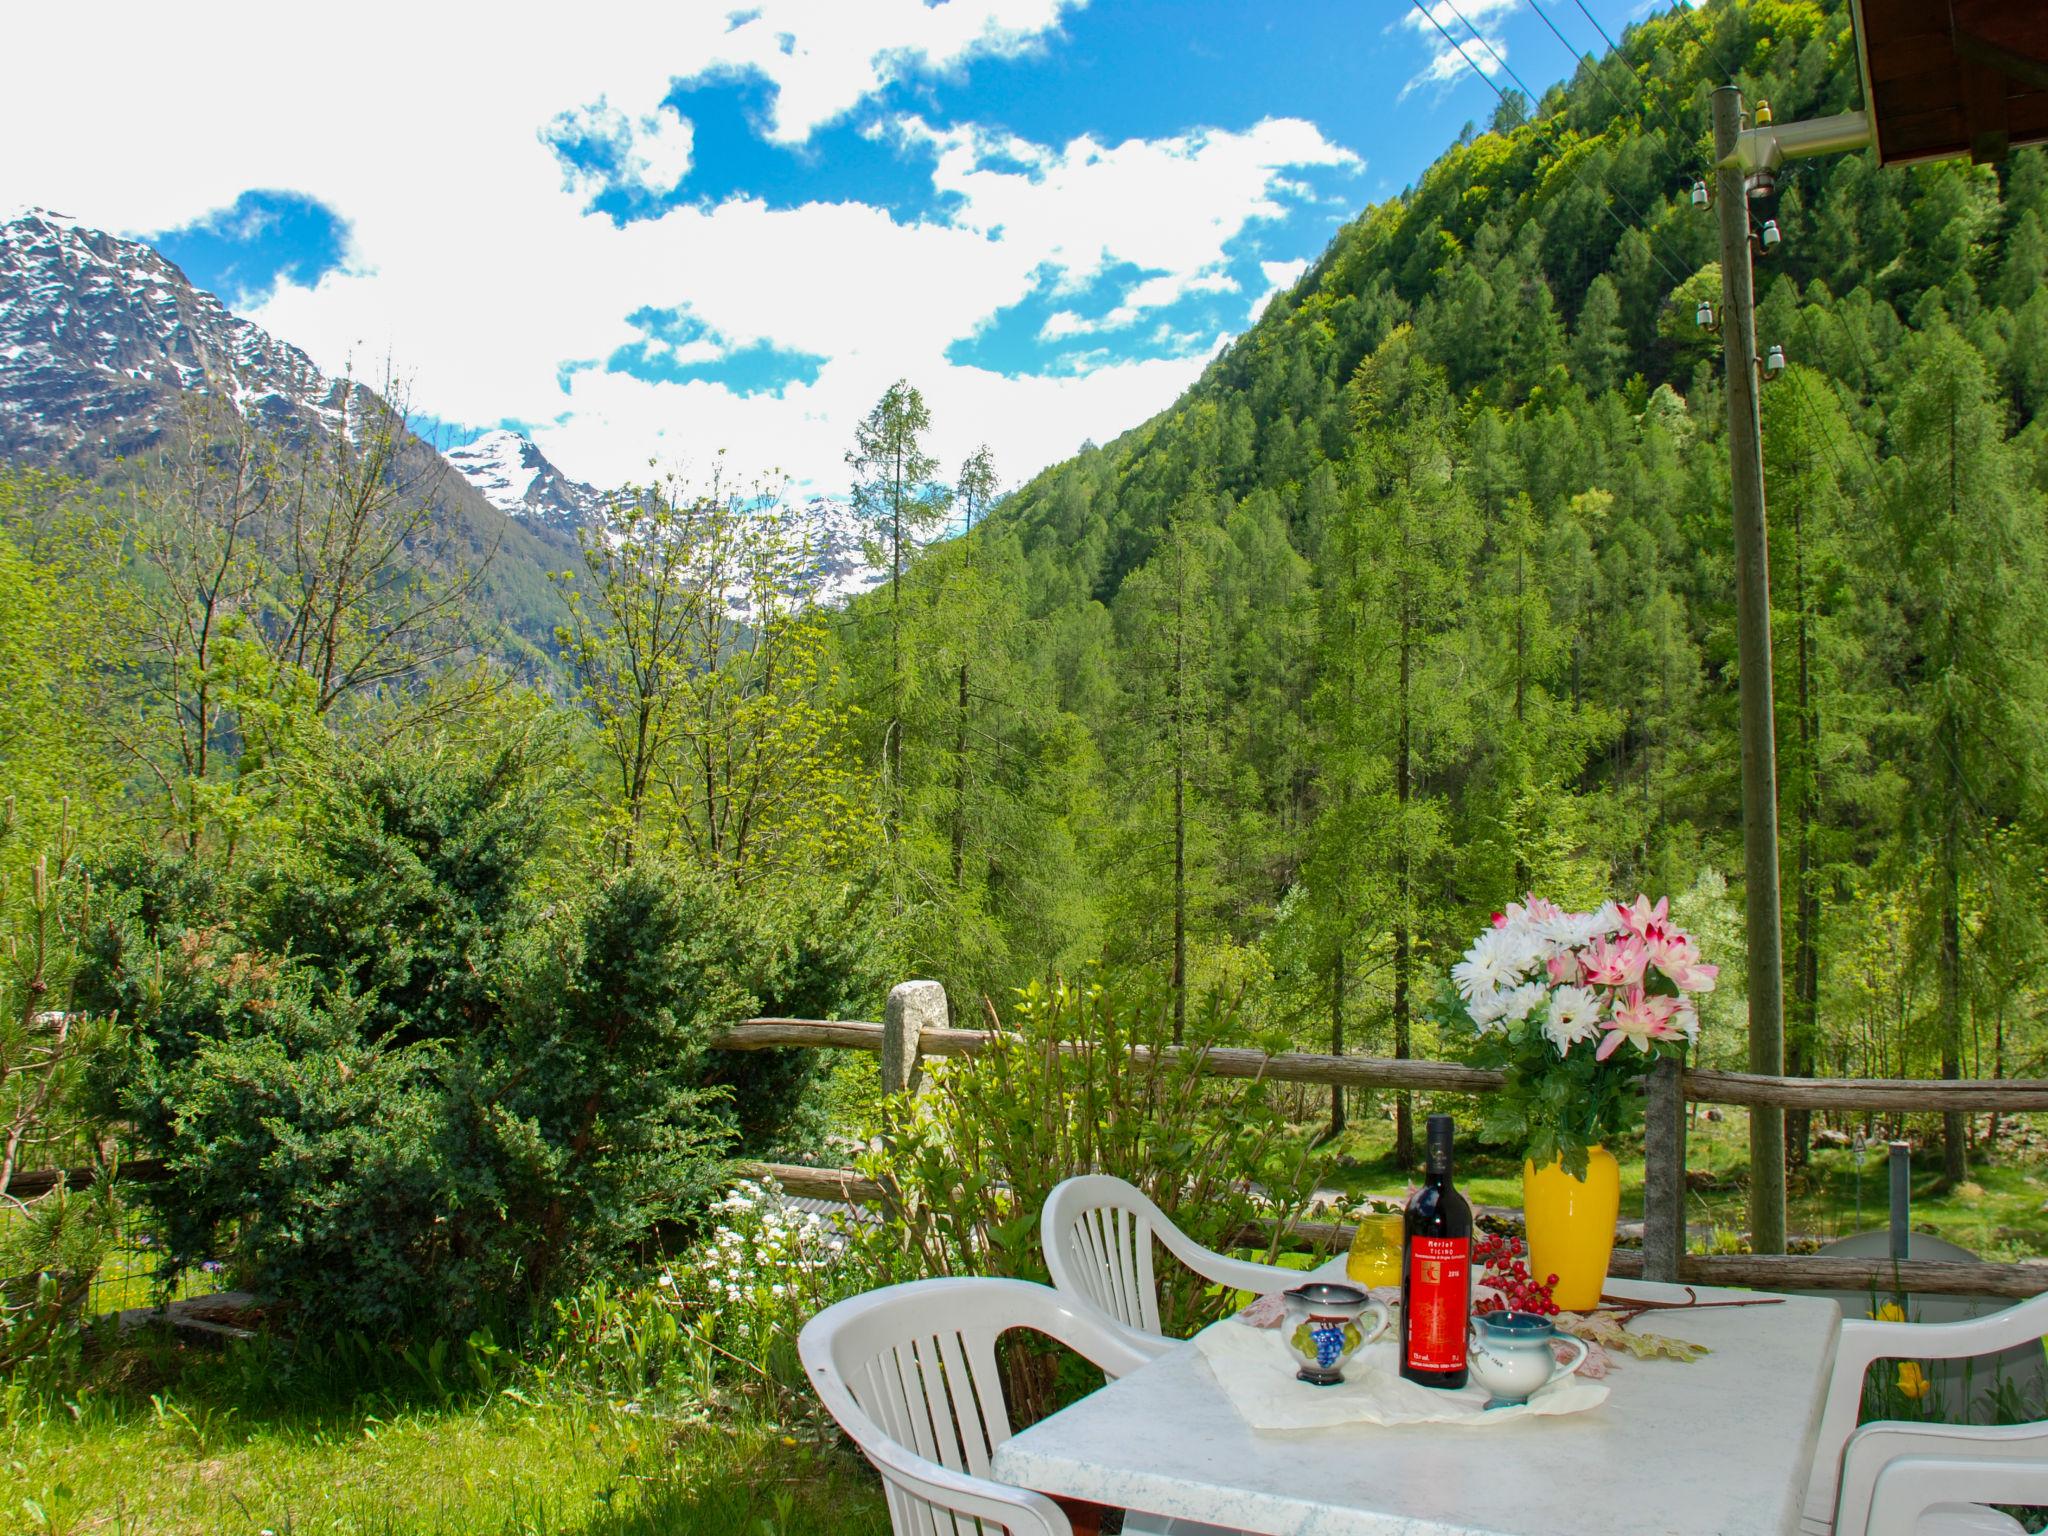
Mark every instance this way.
x=1166 y=206
x=650 y=154
x=1280 y=276
x=1478 y=44
x=824 y=57
x=498 y=292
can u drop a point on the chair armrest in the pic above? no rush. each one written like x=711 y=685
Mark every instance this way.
x=1959 y=1450
x=1019 y=1511
x=1908 y=1488
x=1099 y=1339
x=1863 y=1341
x=1221 y=1269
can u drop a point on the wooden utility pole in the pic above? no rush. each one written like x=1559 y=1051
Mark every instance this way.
x=1753 y=650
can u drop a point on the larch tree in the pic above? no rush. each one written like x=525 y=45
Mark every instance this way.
x=896 y=498
x=1966 y=539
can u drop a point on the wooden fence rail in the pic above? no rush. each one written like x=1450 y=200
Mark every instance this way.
x=908 y=1035
x=1700 y=1087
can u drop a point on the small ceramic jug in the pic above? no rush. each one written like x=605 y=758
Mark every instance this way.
x=1512 y=1356
x=1322 y=1331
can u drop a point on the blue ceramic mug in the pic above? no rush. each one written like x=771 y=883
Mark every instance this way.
x=1512 y=1358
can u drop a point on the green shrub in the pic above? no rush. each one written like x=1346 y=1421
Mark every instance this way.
x=1082 y=1080
x=406 y=1098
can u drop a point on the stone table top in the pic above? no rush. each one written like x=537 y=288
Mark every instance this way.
x=1722 y=1446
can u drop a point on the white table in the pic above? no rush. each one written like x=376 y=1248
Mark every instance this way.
x=1719 y=1447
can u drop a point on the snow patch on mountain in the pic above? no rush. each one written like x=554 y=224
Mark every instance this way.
x=100 y=337
x=513 y=475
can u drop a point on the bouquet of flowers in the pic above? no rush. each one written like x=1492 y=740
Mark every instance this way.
x=1551 y=996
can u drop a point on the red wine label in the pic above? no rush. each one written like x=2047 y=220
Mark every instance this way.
x=1439 y=1303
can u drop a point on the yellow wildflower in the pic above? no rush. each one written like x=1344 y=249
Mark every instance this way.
x=1913 y=1381
x=1890 y=1312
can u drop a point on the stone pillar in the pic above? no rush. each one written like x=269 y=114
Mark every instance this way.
x=913 y=1007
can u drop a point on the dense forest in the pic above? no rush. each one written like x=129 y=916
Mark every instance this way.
x=1420 y=599
x=1423 y=597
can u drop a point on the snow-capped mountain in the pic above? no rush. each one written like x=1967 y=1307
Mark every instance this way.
x=838 y=550
x=100 y=337
x=103 y=341
x=514 y=476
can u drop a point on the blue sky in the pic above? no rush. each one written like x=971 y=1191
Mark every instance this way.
x=732 y=228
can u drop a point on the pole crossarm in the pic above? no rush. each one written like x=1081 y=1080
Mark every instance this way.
x=1768 y=147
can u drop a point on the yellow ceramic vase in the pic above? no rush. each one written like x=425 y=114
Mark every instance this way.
x=1571 y=1226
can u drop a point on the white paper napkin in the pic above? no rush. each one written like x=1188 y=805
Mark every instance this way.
x=1257 y=1375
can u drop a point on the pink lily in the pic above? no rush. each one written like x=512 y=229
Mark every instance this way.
x=1565 y=968
x=1608 y=964
x=1642 y=1018
x=1678 y=958
x=1642 y=919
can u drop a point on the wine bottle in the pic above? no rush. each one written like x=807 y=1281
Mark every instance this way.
x=1436 y=1271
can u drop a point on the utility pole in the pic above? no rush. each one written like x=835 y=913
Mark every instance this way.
x=1753 y=650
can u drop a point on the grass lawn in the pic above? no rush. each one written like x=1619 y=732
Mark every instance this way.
x=184 y=1460
x=2000 y=1212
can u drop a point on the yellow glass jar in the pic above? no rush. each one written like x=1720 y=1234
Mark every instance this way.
x=1375 y=1256
x=1571 y=1226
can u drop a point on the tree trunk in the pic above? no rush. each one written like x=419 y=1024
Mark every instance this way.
x=960 y=786
x=1799 y=1051
x=1954 y=1124
x=1180 y=901
x=1337 y=1040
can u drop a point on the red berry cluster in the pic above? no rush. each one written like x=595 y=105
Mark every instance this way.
x=1503 y=1266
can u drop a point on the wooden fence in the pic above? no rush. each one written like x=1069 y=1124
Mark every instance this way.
x=914 y=1029
x=910 y=1033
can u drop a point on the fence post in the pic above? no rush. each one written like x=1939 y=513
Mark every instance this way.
x=913 y=1007
x=1664 y=1172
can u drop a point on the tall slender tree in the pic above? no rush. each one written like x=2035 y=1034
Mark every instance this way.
x=895 y=496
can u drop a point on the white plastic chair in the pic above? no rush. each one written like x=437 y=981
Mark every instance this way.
x=1864 y=1478
x=910 y=1373
x=1097 y=1232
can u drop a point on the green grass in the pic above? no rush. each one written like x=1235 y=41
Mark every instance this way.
x=1997 y=1213
x=192 y=1455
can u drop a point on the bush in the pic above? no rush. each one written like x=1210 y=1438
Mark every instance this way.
x=1081 y=1081
x=409 y=1098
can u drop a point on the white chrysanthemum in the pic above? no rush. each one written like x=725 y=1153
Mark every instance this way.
x=1518 y=1002
x=1572 y=930
x=1574 y=1017
x=1488 y=966
x=1485 y=1009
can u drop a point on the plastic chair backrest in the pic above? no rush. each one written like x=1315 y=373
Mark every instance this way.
x=1860 y=1345
x=1097 y=1232
x=911 y=1374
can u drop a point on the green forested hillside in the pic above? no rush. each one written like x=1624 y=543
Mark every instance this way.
x=1423 y=597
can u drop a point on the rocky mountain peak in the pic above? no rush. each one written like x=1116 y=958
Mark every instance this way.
x=513 y=475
